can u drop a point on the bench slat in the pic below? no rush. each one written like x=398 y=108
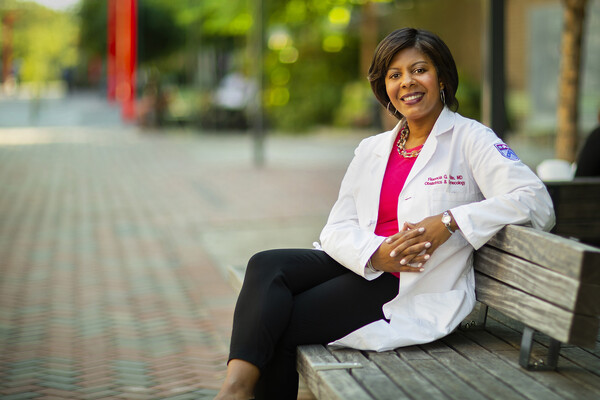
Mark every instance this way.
x=445 y=378
x=576 y=207
x=552 y=320
x=370 y=377
x=477 y=375
x=332 y=384
x=575 y=260
x=546 y=284
x=511 y=333
x=406 y=376
x=585 y=230
x=503 y=364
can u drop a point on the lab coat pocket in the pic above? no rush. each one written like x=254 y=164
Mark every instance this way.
x=442 y=200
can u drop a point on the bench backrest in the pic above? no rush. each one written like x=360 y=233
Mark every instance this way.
x=550 y=283
x=577 y=207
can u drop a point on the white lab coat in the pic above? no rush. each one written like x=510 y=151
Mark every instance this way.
x=463 y=167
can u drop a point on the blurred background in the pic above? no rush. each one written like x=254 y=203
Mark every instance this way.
x=129 y=132
x=199 y=64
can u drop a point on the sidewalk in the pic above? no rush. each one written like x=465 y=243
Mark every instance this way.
x=114 y=245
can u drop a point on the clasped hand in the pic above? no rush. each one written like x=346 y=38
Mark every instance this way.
x=409 y=249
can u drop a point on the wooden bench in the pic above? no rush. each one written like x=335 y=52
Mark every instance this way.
x=531 y=281
x=577 y=207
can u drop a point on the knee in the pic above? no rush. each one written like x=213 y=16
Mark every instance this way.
x=262 y=264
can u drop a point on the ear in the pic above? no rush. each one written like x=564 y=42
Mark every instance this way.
x=441 y=85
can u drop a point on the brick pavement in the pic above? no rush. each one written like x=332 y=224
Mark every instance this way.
x=113 y=245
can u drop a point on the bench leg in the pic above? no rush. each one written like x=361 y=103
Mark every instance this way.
x=541 y=365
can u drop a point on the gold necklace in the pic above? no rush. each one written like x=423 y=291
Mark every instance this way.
x=401 y=144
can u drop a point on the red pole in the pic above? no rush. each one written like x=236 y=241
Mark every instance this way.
x=111 y=61
x=130 y=60
x=125 y=43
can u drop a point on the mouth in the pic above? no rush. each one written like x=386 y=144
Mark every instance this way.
x=412 y=98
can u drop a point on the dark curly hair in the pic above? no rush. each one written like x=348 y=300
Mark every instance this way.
x=429 y=44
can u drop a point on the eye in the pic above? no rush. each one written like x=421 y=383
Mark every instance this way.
x=420 y=70
x=394 y=75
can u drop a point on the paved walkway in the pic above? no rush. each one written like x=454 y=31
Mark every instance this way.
x=114 y=244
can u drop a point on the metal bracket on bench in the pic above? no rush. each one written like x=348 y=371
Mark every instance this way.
x=330 y=366
x=478 y=318
x=541 y=365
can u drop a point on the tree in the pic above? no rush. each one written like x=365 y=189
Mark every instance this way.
x=160 y=34
x=44 y=43
x=569 y=78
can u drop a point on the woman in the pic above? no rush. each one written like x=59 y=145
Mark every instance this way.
x=396 y=268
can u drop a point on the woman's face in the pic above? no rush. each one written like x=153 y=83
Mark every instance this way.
x=413 y=86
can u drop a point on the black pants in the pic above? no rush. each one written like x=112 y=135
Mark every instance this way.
x=293 y=297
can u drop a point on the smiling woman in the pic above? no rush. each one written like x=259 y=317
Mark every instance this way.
x=394 y=266
x=413 y=87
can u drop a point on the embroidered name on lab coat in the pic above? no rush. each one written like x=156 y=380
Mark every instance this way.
x=445 y=180
x=506 y=151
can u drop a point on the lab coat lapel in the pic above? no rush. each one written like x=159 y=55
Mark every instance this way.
x=444 y=123
x=381 y=155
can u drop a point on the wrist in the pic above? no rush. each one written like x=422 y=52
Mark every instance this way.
x=449 y=222
x=371 y=267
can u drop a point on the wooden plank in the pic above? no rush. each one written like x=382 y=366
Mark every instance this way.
x=445 y=380
x=587 y=382
x=579 y=188
x=567 y=257
x=477 y=376
x=440 y=376
x=540 y=315
x=584 y=230
x=560 y=382
x=509 y=373
x=330 y=384
x=411 y=380
x=546 y=284
x=467 y=370
x=413 y=353
x=580 y=208
x=375 y=381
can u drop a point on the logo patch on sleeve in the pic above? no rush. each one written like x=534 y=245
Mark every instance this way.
x=506 y=152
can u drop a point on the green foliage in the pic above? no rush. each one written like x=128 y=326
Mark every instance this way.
x=44 y=41
x=469 y=97
x=92 y=17
x=315 y=42
x=159 y=34
x=356 y=107
x=315 y=86
x=225 y=18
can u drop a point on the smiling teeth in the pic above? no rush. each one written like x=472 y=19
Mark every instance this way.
x=413 y=97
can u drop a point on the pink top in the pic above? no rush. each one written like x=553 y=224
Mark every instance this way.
x=396 y=172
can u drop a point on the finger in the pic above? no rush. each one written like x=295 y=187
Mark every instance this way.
x=409 y=268
x=421 y=259
x=405 y=227
x=410 y=225
x=404 y=235
x=410 y=247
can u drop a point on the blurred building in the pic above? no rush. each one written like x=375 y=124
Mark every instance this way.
x=532 y=48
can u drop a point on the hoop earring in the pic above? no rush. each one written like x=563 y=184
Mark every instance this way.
x=393 y=114
x=443 y=96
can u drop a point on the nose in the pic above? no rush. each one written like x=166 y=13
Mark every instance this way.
x=407 y=81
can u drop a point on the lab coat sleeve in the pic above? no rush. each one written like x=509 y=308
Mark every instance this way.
x=343 y=238
x=513 y=193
